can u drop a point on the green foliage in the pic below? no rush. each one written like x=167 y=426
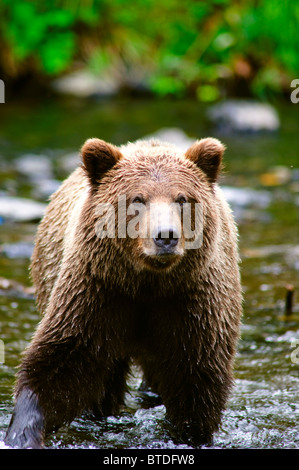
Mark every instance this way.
x=192 y=46
x=31 y=29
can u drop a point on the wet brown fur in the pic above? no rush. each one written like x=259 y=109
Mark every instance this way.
x=103 y=306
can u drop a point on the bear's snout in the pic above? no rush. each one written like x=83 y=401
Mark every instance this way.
x=166 y=239
x=164 y=243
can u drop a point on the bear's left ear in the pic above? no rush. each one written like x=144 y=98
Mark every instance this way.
x=98 y=157
x=207 y=155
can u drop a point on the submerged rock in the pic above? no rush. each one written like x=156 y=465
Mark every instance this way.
x=9 y=287
x=276 y=176
x=248 y=204
x=244 y=197
x=17 y=250
x=244 y=116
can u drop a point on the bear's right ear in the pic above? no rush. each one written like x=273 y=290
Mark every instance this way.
x=98 y=157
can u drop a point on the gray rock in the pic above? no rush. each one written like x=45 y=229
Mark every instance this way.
x=34 y=166
x=244 y=116
x=173 y=135
x=69 y=162
x=44 y=188
x=83 y=84
x=17 y=209
x=39 y=171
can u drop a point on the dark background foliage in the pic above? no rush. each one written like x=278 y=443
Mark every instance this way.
x=208 y=49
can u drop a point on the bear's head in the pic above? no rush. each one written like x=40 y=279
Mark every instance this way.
x=153 y=199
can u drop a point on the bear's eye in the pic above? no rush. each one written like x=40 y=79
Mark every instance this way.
x=181 y=200
x=138 y=200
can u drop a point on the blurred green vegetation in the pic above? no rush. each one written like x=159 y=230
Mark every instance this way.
x=204 y=48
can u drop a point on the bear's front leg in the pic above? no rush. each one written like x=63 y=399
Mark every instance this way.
x=194 y=404
x=195 y=409
x=194 y=381
x=65 y=370
x=48 y=391
x=69 y=366
x=57 y=382
x=26 y=428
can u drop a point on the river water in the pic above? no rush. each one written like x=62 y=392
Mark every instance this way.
x=261 y=181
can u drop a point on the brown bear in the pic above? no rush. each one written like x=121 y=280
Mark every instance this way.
x=136 y=259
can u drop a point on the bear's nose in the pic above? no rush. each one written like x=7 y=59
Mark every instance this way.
x=166 y=238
